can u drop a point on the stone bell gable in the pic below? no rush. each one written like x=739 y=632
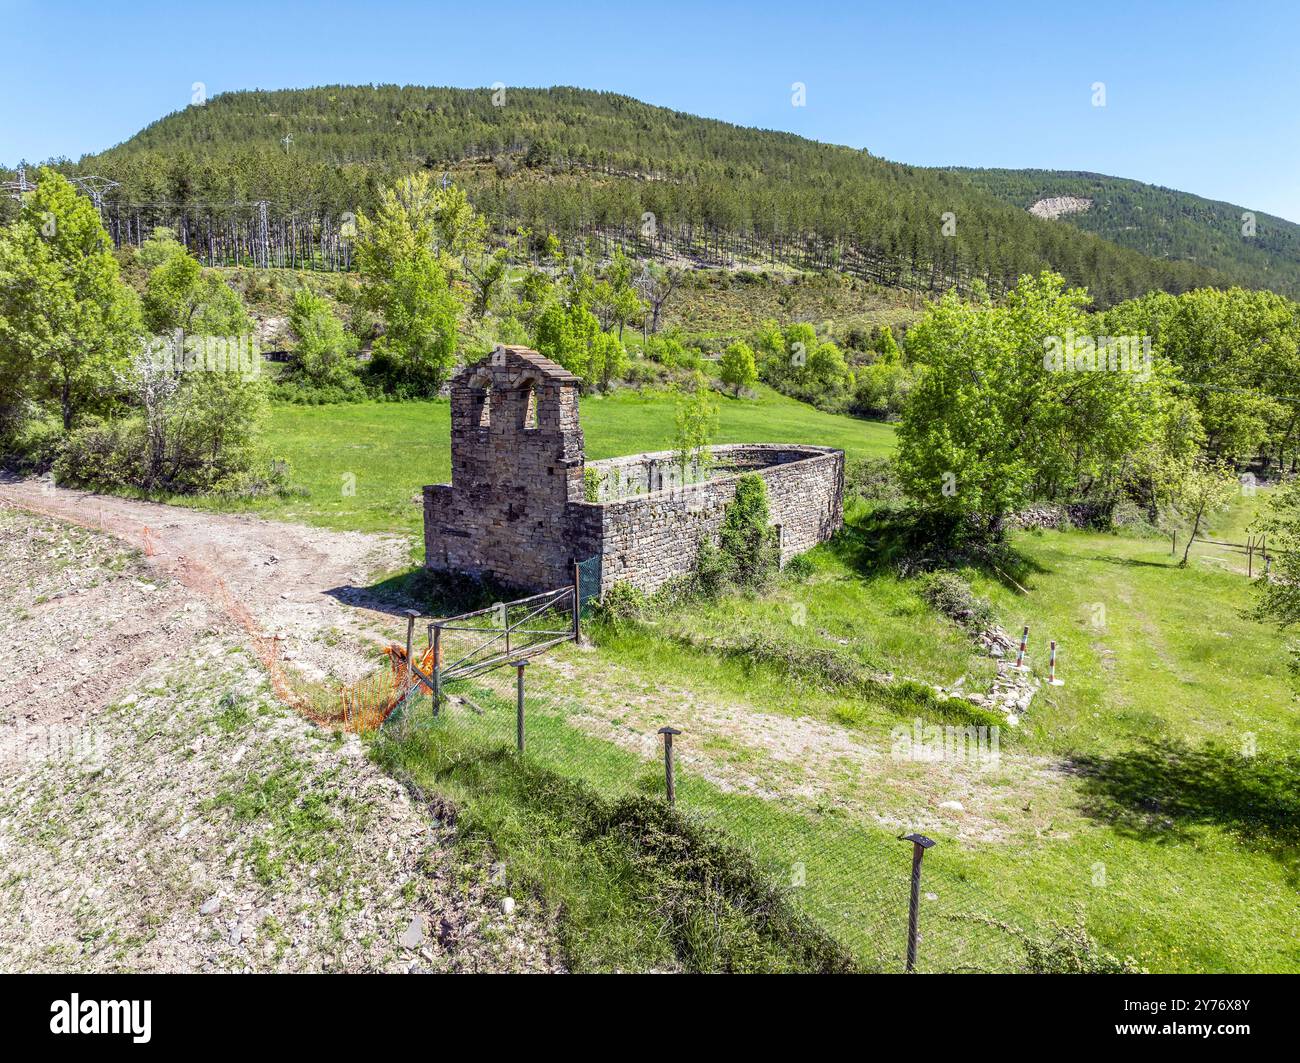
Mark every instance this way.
x=516 y=459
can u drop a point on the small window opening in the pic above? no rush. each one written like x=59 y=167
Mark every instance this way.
x=485 y=408
x=530 y=409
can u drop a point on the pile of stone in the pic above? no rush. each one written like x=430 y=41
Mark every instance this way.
x=1012 y=689
x=1048 y=516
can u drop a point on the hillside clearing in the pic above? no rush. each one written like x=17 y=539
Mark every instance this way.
x=169 y=814
x=363 y=464
x=1077 y=813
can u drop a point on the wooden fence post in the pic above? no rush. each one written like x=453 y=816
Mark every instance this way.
x=437 y=668
x=411 y=616
x=668 y=733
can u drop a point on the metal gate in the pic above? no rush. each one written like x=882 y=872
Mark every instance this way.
x=505 y=633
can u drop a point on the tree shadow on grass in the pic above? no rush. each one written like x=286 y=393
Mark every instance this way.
x=1133 y=562
x=1164 y=787
x=904 y=541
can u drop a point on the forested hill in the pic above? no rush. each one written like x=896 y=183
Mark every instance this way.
x=1161 y=222
x=590 y=163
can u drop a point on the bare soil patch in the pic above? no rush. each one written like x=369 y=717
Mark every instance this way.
x=162 y=810
x=297 y=592
x=814 y=764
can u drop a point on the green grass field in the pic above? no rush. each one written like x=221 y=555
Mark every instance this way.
x=1202 y=903
x=1155 y=792
x=363 y=464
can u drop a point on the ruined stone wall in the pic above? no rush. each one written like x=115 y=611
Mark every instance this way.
x=515 y=509
x=642 y=474
x=649 y=539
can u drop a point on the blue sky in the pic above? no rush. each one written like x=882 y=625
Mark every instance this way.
x=1201 y=97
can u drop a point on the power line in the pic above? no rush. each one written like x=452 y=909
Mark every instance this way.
x=93 y=185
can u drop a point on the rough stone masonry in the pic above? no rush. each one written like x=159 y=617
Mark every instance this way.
x=515 y=508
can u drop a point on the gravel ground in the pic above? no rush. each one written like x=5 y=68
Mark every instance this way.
x=161 y=810
x=298 y=593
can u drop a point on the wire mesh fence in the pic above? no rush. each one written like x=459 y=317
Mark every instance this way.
x=853 y=879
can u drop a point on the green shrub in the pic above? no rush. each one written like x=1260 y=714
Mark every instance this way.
x=712 y=576
x=746 y=539
x=196 y=435
x=799 y=364
x=800 y=568
x=746 y=554
x=952 y=596
x=908 y=696
x=824 y=668
x=591 y=481
x=1070 y=949
x=102 y=454
x=299 y=392
x=31 y=444
x=668 y=350
x=641 y=374
x=881 y=390
x=1133 y=520
x=872 y=480
x=622 y=602
x=326 y=354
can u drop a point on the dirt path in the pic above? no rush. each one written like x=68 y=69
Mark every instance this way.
x=162 y=810
x=296 y=592
x=813 y=764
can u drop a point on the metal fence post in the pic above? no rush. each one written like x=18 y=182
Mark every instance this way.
x=668 y=733
x=411 y=616
x=437 y=667
x=519 y=705
x=577 y=601
x=920 y=843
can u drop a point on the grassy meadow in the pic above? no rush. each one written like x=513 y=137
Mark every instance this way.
x=1152 y=795
x=1126 y=794
x=362 y=465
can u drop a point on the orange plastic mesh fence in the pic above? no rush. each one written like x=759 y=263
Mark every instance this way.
x=368 y=702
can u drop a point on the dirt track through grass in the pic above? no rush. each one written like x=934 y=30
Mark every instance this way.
x=162 y=810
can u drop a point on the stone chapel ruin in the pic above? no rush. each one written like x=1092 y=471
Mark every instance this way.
x=515 y=509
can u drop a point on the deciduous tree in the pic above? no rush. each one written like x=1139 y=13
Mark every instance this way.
x=67 y=321
x=326 y=353
x=405 y=280
x=993 y=422
x=737 y=368
x=696 y=421
x=181 y=296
